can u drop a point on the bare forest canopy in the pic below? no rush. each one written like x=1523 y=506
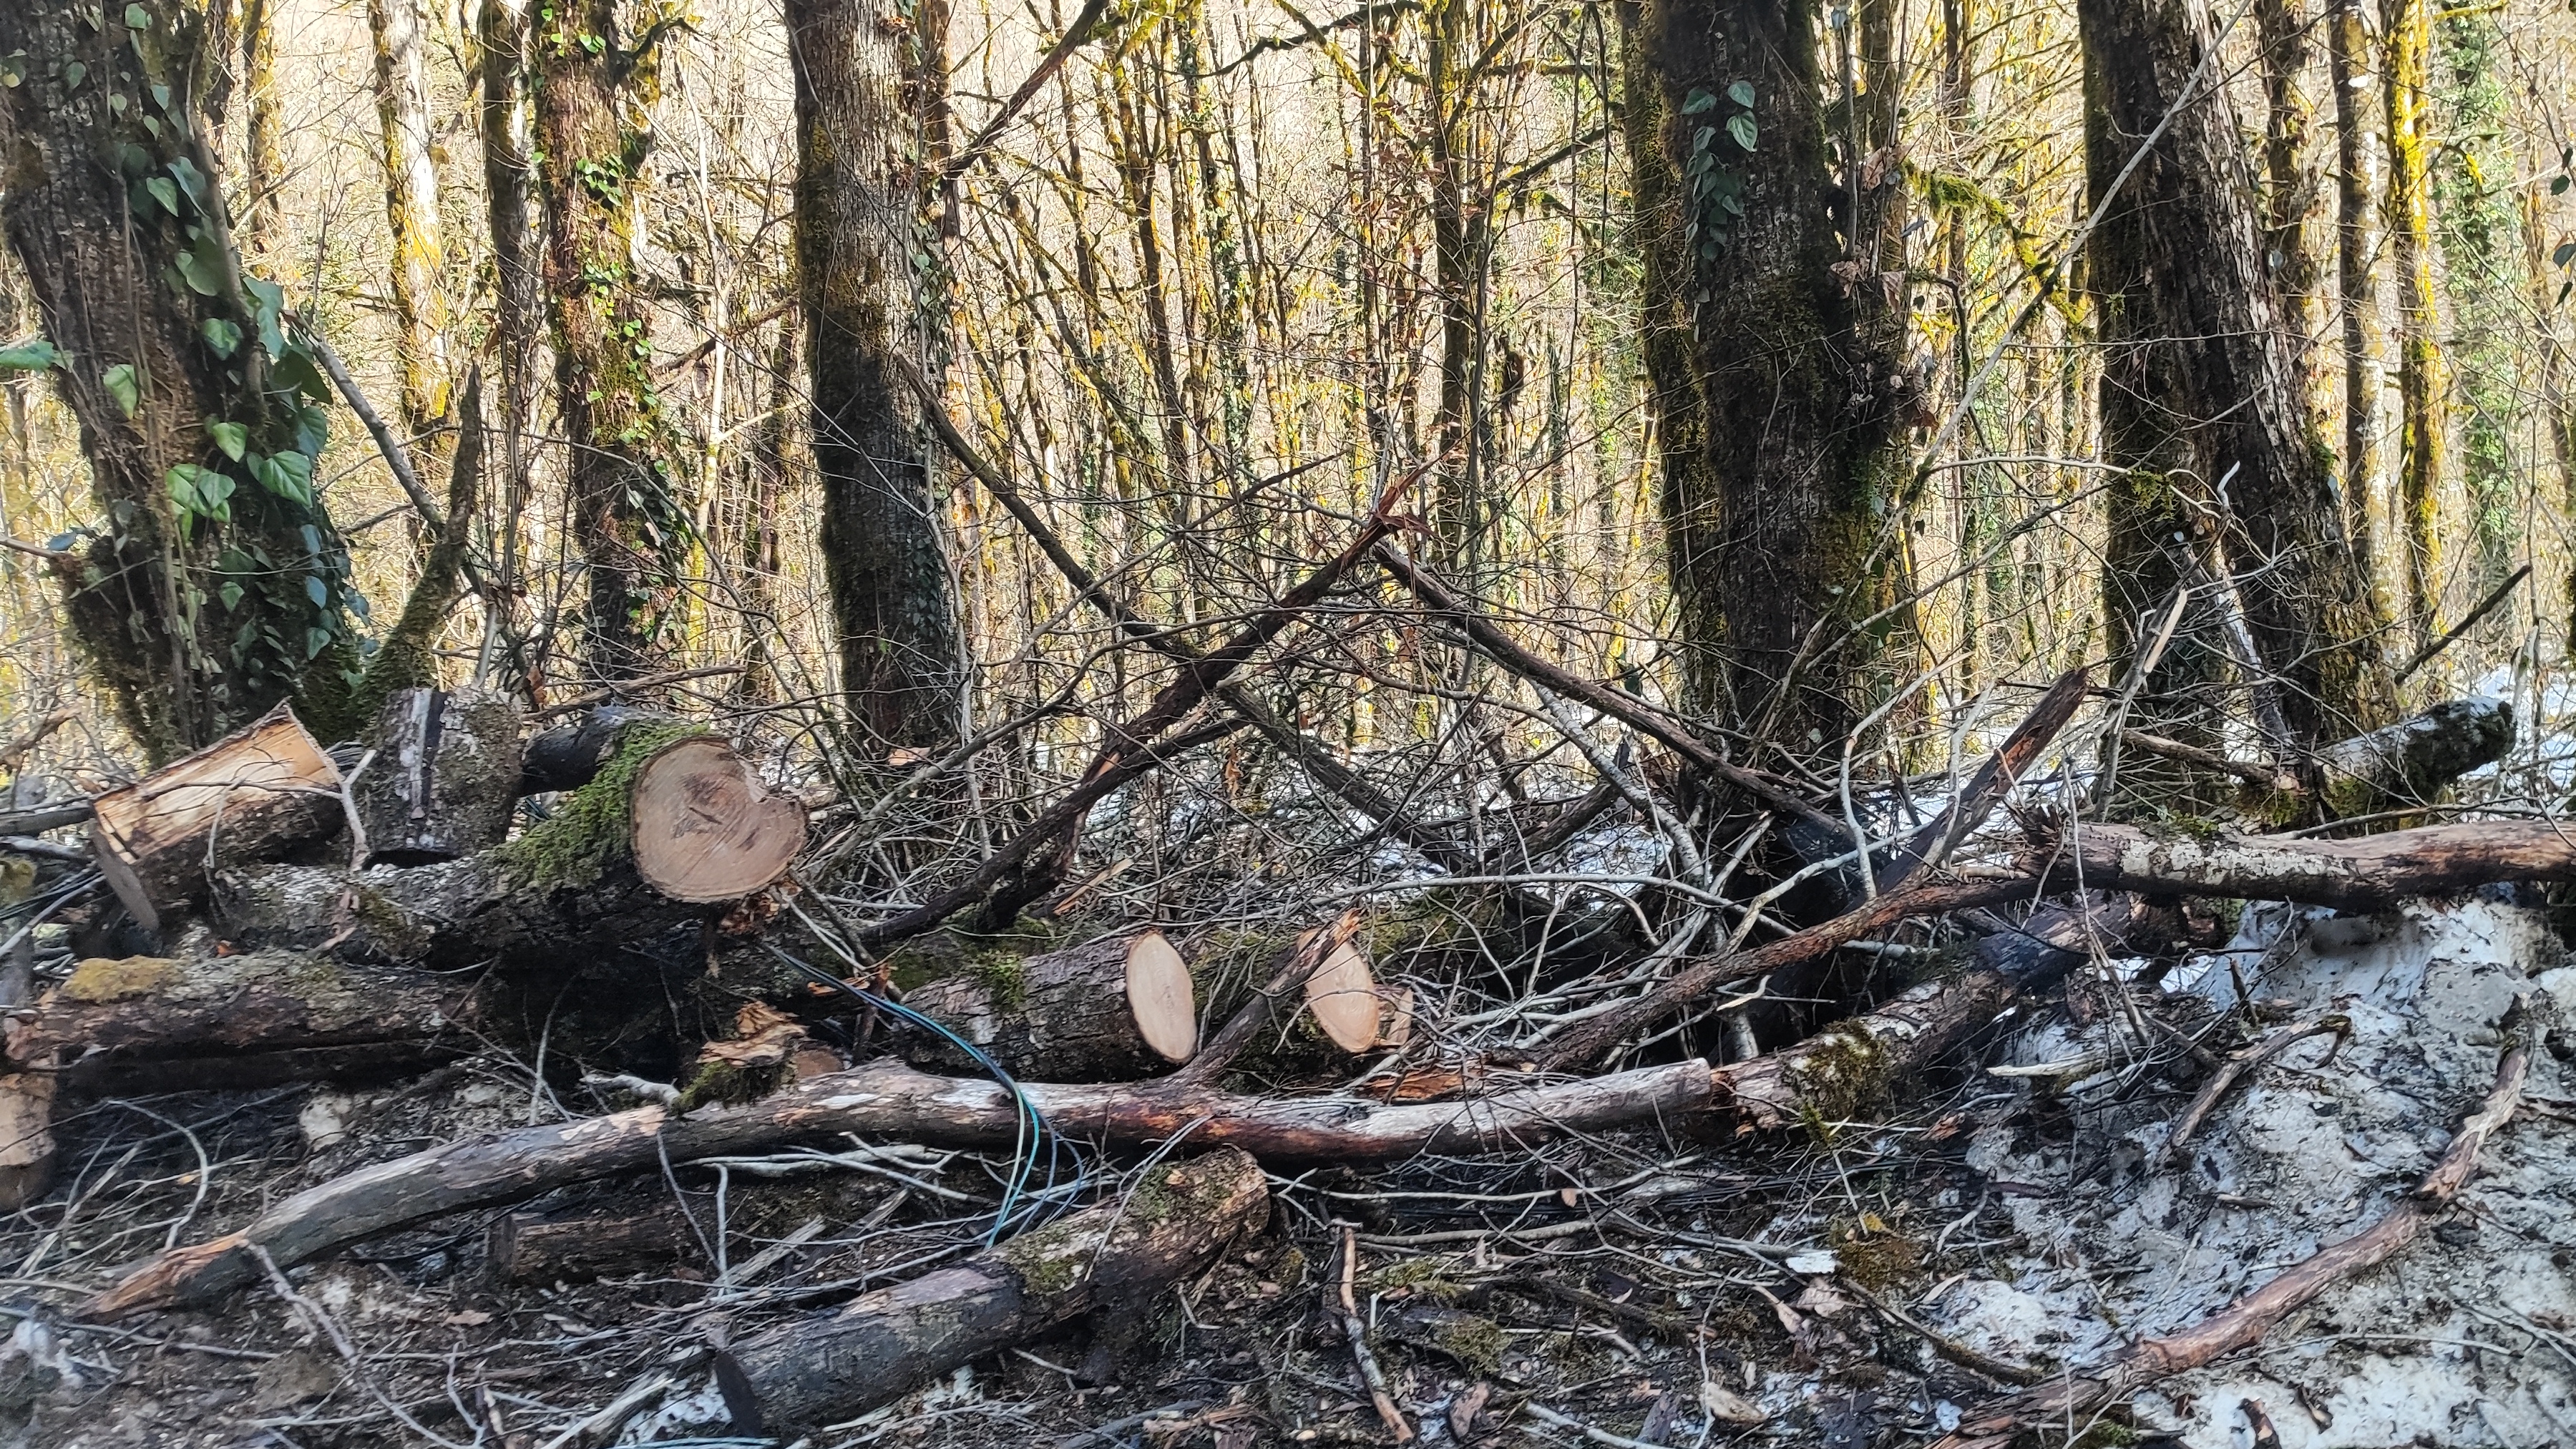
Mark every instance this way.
x=1341 y=588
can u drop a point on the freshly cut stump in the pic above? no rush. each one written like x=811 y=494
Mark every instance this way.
x=1116 y=1008
x=1344 y=999
x=706 y=828
x=251 y=796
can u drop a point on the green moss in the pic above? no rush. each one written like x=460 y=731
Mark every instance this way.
x=394 y=931
x=101 y=979
x=1844 y=1074
x=724 y=1083
x=593 y=825
x=1474 y=1342
x=994 y=959
x=1048 y=1261
x=1881 y=1262
x=1425 y=1277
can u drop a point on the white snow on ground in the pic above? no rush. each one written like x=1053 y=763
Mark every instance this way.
x=2467 y=1338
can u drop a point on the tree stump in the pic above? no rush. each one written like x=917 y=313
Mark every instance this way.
x=251 y=796
x=444 y=779
x=1116 y=1008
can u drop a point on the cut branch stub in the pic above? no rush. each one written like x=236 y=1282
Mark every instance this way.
x=1120 y=1006
x=706 y=828
x=1343 y=996
x=250 y=796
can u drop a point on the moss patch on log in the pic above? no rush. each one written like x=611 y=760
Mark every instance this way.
x=102 y=979
x=594 y=825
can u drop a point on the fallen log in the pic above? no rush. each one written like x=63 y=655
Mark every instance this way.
x=526 y=1248
x=1853 y=1066
x=890 y=1099
x=2363 y=873
x=251 y=796
x=444 y=779
x=675 y=823
x=2071 y=1397
x=223 y=1021
x=2062 y=935
x=1169 y=1229
x=2410 y=762
x=1115 y=1008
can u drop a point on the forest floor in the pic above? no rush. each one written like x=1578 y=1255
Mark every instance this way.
x=1827 y=1287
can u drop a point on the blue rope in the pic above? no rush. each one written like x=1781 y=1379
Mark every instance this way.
x=1032 y=1125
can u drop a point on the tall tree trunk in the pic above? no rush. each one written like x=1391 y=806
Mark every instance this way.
x=411 y=213
x=1460 y=232
x=862 y=76
x=2420 y=382
x=2365 y=366
x=215 y=584
x=501 y=39
x=263 y=157
x=2186 y=259
x=2557 y=382
x=593 y=99
x=760 y=538
x=1758 y=315
x=2290 y=192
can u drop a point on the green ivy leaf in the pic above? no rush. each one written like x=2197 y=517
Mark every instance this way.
x=2566 y=252
x=1698 y=102
x=1742 y=129
x=2558 y=185
x=287 y=475
x=73 y=74
x=315 y=641
x=200 y=278
x=314 y=590
x=1741 y=93
x=138 y=18
x=182 y=483
x=33 y=355
x=222 y=335
x=268 y=301
x=231 y=594
x=165 y=192
x=125 y=385
x=295 y=370
x=233 y=438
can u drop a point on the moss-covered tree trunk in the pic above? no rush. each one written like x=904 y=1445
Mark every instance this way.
x=863 y=74
x=1777 y=398
x=593 y=99
x=214 y=585
x=2408 y=30
x=411 y=215
x=2204 y=349
x=263 y=153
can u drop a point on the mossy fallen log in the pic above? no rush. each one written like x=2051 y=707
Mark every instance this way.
x=1114 y=1008
x=1170 y=1228
x=671 y=825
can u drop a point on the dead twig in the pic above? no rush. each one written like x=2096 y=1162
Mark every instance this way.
x=2244 y=1064
x=1357 y=1332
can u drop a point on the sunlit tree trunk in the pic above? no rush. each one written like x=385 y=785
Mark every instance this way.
x=501 y=40
x=2356 y=262
x=1779 y=418
x=263 y=156
x=2205 y=342
x=593 y=97
x=1460 y=231
x=2420 y=380
x=863 y=73
x=2291 y=187
x=214 y=584
x=411 y=213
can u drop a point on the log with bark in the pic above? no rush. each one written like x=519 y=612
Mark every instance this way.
x=151 y=1023
x=675 y=823
x=891 y=1100
x=2411 y=762
x=1115 y=1008
x=254 y=795
x=1855 y=1066
x=2362 y=873
x=444 y=777
x=528 y=1248
x=1170 y=1228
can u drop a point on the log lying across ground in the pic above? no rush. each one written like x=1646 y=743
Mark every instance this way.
x=891 y=1101
x=234 y=1021
x=1114 y=1008
x=2365 y=873
x=254 y=795
x=673 y=823
x=1170 y=1228
x=1854 y=1066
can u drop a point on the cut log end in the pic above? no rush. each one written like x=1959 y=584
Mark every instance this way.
x=1161 y=998
x=249 y=796
x=1343 y=996
x=706 y=829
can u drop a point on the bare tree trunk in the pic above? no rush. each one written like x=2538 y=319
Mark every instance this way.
x=2356 y=264
x=1772 y=531
x=501 y=40
x=2290 y=172
x=593 y=98
x=215 y=576
x=411 y=212
x=863 y=72
x=2186 y=255
x=2420 y=382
